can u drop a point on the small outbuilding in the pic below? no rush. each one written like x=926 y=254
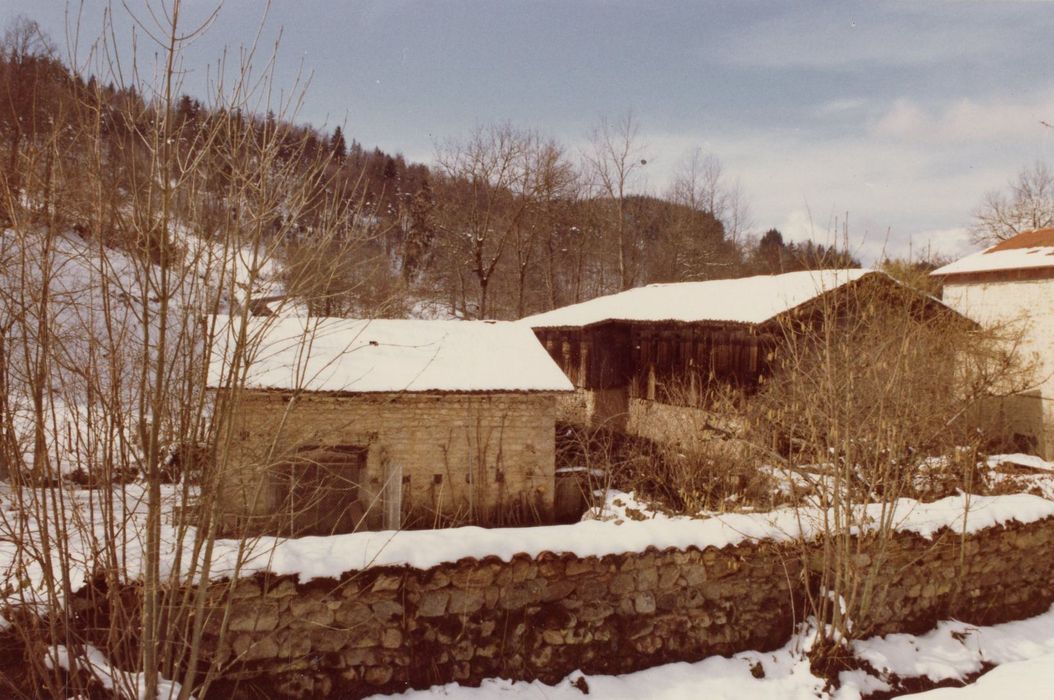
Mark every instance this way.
x=642 y=358
x=1011 y=285
x=341 y=425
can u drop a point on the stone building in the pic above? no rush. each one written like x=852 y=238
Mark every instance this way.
x=342 y=425
x=644 y=360
x=1011 y=285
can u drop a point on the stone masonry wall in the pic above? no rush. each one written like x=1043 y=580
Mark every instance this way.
x=462 y=457
x=543 y=617
x=653 y=420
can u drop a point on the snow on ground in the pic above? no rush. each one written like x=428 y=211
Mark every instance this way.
x=1021 y=460
x=1031 y=679
x=787 y=677
x=78 y=538
x=249 y=272
x=1021 y=473
x=1001 y=473
x=953 y=652
x=122 y=683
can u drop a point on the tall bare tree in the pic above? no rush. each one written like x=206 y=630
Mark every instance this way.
x=554 y=186
x=1026 y=204
x=109 y=337
x=489 y=183
x=615 y=159
x=709 y=220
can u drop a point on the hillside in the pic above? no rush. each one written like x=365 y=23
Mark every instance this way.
x=505 y=223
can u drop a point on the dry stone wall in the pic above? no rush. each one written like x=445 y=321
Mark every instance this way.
x=544 y=617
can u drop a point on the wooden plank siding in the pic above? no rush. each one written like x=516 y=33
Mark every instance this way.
x=680 y=362
x=669 y=362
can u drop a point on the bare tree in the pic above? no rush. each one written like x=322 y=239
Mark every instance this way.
x=489 y=185
x=873 y=385
x=1027 y=204
x=615 y=159
x=701 y=183
x=554 y=187
x=109 y=337
x=710 y=219
x=26 y=52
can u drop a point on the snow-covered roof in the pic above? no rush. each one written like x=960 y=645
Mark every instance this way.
x=1028 y=250
x=748 y=300
x=364 y=356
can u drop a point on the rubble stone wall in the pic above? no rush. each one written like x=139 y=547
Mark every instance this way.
x=459 y=457
x=543 y=617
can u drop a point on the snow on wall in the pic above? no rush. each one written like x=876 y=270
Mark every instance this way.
x=361 y=356
x=745 y=300
x=329 y=557
x=542 y=617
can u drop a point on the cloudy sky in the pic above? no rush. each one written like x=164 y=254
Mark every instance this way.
x=900 y=114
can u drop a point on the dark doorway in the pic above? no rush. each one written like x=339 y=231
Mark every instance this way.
x=319 y=490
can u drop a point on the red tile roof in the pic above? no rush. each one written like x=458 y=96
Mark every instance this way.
x=1040 y=238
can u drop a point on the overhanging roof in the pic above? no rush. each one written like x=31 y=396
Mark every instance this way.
x=1031 y=250
x=747 y=300
x=385 y=355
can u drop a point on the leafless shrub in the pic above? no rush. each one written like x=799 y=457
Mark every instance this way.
x=867 y=388
x=104 y=359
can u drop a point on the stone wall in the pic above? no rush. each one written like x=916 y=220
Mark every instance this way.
x=595 y=408
x=543 y=617
x=652 y=420
x=454 y=457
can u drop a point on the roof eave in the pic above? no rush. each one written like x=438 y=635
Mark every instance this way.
x=426 y=392
x=1013 y=274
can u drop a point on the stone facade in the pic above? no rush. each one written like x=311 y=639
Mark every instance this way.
x=1025 y=307
x=652 y=420
x=424 y=459
x=544 y=617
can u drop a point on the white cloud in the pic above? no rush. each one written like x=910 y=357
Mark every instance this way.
x=839 y=36
x=904 y=119
x=902 y=188
x=949 y=243
x=840 y=106
x=968 y=121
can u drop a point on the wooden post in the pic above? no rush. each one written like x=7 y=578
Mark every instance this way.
x=392 y=499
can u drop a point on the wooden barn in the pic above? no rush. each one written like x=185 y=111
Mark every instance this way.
x=633 y=354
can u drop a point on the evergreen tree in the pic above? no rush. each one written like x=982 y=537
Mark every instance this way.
x=771 y=254
x=337 y=146
x=420 y=236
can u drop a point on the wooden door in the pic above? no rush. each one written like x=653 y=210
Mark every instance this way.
x=320 y=490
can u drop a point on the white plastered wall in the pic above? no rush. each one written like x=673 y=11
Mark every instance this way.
x=1028 y=308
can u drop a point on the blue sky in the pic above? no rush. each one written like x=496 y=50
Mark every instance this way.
x=901 y=114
